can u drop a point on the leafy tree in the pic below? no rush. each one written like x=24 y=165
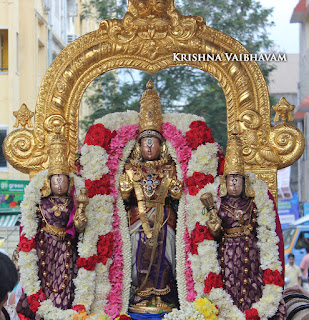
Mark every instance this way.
x=182 y=89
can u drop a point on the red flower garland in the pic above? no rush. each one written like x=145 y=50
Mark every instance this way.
x=35 y=300
x=213 y=280
x=25 y=244
x=199 y=234
x=198 y=182
x=98 y=135
x=105 y=247
x=101 y=186
x=104 y=251
x=273 y=277
x=79 y=307
x=199 y=134
x=252 y=314
x=88 y=264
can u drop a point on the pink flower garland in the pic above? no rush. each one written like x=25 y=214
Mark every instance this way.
x=114 y=300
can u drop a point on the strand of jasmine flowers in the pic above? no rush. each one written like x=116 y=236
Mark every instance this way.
x=180 y=252
x=180 y=233
x=102 y=286
x=116 y=120
x=124 y=229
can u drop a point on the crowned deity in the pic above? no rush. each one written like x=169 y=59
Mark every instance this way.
x=150 y=189
x=60 y=218
x=235 y=225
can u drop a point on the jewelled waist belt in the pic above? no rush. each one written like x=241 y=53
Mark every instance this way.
x=56 y=231
x=238 y=231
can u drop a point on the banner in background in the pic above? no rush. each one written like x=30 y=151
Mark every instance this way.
x=288 y=210
x=11 y=194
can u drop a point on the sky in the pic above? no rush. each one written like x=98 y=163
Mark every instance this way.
x=284 y=33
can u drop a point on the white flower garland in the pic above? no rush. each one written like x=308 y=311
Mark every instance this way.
x=204 y=159
x=180 y=234
x=93 y=161
x=114 y=121
x=124 y=229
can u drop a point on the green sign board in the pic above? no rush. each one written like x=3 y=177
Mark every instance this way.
x=11 y=194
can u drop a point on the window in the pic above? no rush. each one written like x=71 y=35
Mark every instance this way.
x=4 y=62
x=17 y=52
x=3 y=162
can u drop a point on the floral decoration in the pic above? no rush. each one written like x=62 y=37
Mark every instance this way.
x=252 y=314
x=98 y=135
x=26 y=245
x=104 y=276
x=213 y=280
x=199 y=134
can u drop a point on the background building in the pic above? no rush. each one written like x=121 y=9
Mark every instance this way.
x=32 y=34
x=301 y=15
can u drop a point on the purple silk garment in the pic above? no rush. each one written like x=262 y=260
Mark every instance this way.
x=161 y=273
x=55 y=258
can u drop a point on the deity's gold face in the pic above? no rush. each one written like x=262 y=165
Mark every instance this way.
x=59 y=184
x=234 y=185
x=150 y=148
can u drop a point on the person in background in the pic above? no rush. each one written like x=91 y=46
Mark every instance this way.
x=15 y=295
x=292 y=273
x=304 y=265
x=8 y=280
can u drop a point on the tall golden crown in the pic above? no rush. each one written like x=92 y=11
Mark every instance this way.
x=150 y=116
x=234 y=159
x=58 y=157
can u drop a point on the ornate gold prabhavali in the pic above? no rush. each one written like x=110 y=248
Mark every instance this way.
x=147 y=38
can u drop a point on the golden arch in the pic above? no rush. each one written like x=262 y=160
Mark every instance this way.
x=146 y=39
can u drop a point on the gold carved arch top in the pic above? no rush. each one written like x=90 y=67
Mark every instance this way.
x=147 y=38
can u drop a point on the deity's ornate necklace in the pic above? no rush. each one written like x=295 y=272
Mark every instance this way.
x=58 y=208
x=238 y=213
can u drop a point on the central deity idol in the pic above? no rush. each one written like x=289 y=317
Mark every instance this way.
x=150 y=189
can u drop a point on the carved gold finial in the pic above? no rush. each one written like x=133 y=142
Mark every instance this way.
x=284 y=111
x=23 y=117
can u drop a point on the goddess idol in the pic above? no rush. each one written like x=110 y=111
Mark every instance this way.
x=249 y=235
x=50 y=228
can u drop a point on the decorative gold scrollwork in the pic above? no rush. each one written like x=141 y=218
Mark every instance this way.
x=20 y=150
x=289 y=143
x=22 y=143
x=250 y=119
x=54 y=124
